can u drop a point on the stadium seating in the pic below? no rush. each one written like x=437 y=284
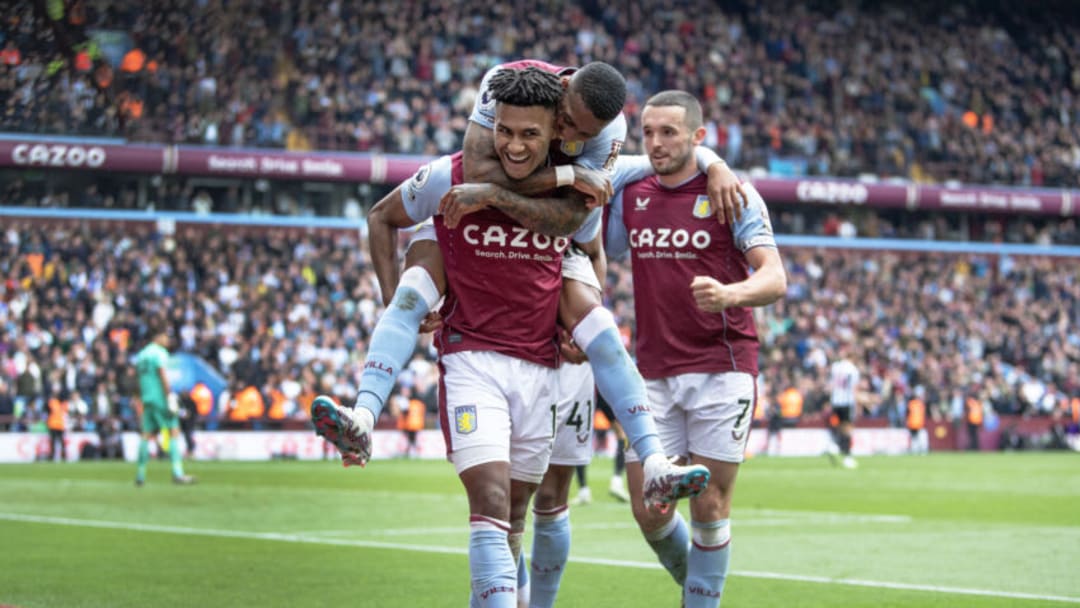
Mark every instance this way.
x=974 y=92
x=289 y=312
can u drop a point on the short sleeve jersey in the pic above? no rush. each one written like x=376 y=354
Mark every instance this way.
x=672 y=236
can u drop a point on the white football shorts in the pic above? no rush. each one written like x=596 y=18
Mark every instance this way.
x=497 y=408
x=574 y=419
x=704 y=414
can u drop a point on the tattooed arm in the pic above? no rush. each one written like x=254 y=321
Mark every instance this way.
x=550 y=216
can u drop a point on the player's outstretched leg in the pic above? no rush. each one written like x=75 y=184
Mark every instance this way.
x=618 y=380
x=177 y=457
x=394 y=338
x=348 y=429
x=624 y=389
x=144 y=457
x=392 y=344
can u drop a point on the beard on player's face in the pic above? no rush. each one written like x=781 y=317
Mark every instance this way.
x=668 y=159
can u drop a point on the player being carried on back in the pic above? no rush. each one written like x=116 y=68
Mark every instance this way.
x=592 y=128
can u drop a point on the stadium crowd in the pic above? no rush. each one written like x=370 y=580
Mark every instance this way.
x=980 y=92
x=287 y=314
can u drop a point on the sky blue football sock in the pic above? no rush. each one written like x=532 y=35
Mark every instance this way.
x=550 y=550
x=671 y=543
x=394 y=339
x=707 y=567
x=523 y=591
x=491 y=564
x=618 y=380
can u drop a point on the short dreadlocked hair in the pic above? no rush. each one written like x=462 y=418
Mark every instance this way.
x=602 y=88
x=526 y=87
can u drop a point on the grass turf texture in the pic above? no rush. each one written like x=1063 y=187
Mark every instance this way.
x=979 y=530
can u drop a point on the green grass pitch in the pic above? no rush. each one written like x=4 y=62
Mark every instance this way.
x=945 y=530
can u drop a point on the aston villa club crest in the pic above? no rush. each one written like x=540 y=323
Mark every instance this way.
x=416 y=184
x=465 y=419
x=572 y=148
x=702 y=207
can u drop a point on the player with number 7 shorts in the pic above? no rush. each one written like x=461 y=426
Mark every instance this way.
x=697 y=346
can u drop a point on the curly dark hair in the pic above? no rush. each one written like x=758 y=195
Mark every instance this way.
x=526 y=87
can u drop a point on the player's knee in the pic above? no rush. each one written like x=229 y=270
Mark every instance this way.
x=648 y=520
x=712 y=504
x=549 y=496
x=491 y=500
x=416 y=284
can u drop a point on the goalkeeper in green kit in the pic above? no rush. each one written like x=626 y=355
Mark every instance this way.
x=158 y=406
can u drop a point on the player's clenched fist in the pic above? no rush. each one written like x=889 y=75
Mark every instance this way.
x=711 y=295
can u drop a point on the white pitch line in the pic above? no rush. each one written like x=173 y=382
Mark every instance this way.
x=828 y=516
x=744 y=515
x=464 y=530
x=300 y=538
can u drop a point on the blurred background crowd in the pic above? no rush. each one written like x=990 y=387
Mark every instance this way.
x=289 y=314
x=975 y=92
x=979 y=92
